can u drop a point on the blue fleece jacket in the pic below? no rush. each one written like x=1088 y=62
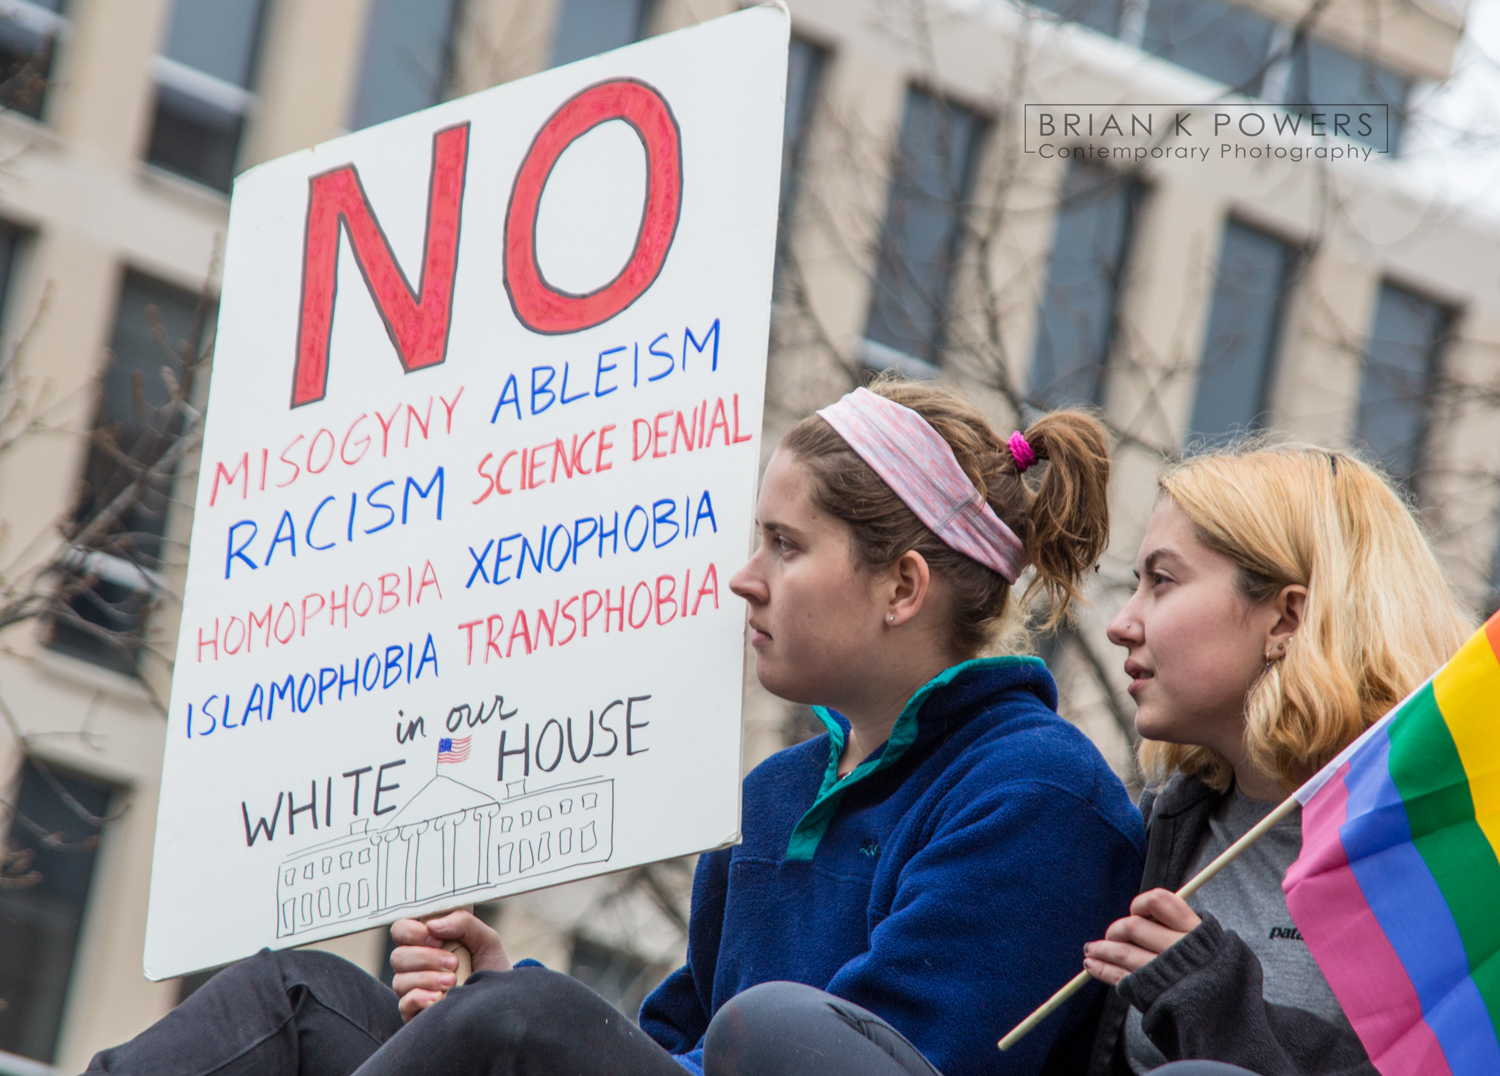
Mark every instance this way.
x=947 y=884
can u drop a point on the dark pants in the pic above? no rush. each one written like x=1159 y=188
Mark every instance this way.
x=313 y=1014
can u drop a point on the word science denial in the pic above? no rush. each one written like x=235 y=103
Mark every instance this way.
x=480 y=456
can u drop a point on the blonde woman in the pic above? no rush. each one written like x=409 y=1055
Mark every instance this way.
x=1286 y=600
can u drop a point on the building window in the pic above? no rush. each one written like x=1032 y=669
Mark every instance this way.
x=1323 y=75
x=12 y=239
x=1492 y=599
x=1076 y=322
x=406 y=59
x=1215 y=39
x=28 y=42
x=804 y=69
x=49 y=854
x=919 y=240
x=1101 y=15
x=203 y=78
x=1255 y=274
x=108 y=589
x=1401 y=361
x=589 y=27
x=620 y=978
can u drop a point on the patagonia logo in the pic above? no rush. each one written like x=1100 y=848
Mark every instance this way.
x=871 y=848
x=1289 y=933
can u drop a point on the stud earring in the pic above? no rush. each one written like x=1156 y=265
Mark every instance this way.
x=891 y=617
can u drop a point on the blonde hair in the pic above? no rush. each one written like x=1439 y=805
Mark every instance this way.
x=1380 y=616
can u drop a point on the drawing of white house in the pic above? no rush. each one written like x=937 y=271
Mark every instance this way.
x=448 y=838
x=327 y=883
x=434 y=845
x=553 y=828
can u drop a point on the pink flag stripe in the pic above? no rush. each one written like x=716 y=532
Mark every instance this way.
x=1352 y=950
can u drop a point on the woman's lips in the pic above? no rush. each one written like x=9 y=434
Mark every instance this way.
x=758 y=637
x=1138 y=674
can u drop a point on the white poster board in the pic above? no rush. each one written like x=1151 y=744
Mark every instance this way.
x=481 y=451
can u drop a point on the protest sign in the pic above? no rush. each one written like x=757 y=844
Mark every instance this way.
x=481 y=450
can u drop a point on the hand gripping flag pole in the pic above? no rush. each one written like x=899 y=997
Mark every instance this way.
x=1193 y=885
x=1393 y=890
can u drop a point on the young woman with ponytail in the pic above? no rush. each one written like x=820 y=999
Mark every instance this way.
x=907 y=885
x=1286 y=600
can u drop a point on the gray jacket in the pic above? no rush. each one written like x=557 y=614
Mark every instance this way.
x=1202 y=999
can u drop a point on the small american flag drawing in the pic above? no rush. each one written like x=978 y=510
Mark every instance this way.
x=450 y=750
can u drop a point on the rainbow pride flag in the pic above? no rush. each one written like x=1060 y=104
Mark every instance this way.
x=1397 y=889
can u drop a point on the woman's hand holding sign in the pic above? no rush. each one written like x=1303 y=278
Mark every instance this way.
x=425 y=971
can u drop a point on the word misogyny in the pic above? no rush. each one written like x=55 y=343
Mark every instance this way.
x=287 y=622
x=326 y=526
x=658 y=601
x=558 y=545
x=298 y=694
x=347 y=445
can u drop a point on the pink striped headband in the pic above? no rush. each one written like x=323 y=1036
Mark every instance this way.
x=913 y=459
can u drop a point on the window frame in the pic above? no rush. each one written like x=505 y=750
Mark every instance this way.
x=1295 y=255
x=1136 y=191
x=1434 y=355
x=179 y=83
x=872 y=351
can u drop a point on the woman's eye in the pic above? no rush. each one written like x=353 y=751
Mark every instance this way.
x=784 y=546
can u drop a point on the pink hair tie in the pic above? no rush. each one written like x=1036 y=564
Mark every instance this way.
x=913 y=459
x=1021 y=451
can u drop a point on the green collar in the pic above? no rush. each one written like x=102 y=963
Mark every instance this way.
x=809 y=831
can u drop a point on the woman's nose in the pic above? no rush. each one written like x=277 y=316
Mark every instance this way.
x=1125 y=628
x=747 y=584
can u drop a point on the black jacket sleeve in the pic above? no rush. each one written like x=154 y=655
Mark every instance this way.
x=1203 y=998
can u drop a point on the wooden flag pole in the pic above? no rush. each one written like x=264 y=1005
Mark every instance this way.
x=1195 y=883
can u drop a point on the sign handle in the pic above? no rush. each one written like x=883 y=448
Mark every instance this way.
x=456 y=947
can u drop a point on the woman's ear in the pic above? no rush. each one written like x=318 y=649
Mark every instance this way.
x=1290 y=605
x=910 y=581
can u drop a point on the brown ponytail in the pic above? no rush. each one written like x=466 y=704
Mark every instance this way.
x=1070 y=512
x=1063 y=524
